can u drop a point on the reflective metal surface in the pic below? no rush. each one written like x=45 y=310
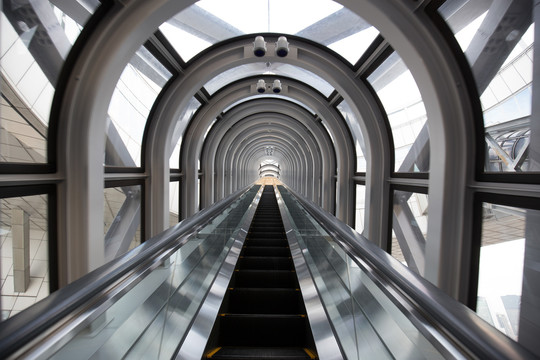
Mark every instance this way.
x=364 y=315
x=325 y=341
x=139 y=305
x=193 y=345
x=377 y=306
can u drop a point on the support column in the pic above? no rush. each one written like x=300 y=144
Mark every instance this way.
x=20 y=232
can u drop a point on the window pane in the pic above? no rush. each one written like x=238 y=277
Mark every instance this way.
x=35 y=40
x=409 y=229
x=501 y=267
x=24 y=251
x=20 y=142
x=505 y=84
x=210 y=21
x=404 y=107
x=356 y=132
x=360 y=208
x=507 y=108
x=135 y=93
x=174 y=206
x=122 y=218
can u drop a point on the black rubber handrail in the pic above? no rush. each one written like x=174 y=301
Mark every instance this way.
x=22 y=328
x=476 y=335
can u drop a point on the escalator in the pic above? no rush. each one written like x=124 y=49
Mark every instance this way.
x=263 y=314
x=261 y=274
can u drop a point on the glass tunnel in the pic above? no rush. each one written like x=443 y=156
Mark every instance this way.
x=269 y=179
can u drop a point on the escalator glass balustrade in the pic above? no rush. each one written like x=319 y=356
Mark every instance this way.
x=263 y=314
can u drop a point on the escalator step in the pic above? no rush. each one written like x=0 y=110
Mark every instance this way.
x=266 y=242
x=269 y=301
x=262 y=330
x=264 y=353
x=264 y=279
x=266 y=235
x=267 y=251
x=265 y=263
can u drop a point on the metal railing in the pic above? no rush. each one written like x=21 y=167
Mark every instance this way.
x=439 y=317
x=33 y=327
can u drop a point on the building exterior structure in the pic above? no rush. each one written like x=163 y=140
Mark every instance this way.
x=412 y=121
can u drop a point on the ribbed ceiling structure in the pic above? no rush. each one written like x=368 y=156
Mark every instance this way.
x=368 y=108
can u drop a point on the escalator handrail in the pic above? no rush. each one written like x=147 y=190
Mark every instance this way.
x=23 y=327
x=461 y=322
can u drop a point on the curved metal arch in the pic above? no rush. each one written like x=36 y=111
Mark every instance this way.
x=277 y=124
x=287 y=157
x=440 y=71
x=270 y=173
x=252 y=154
x=228 y=123
x=315 y=59
x=260 y=137
x=268 y=167
x=345 y=154
x=236 y=91
x=297 y=142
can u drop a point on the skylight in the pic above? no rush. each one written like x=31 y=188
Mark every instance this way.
x=279 y=16
x=326 y=22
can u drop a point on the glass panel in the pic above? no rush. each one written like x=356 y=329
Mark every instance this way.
x=150 y=319
x=354 y=46
x=20 y=142
x=24 y=251
x=501 y=267
x=278 y=69
x=360 y=208
x=35 y=40
x=356 y=132
x=409 y=229
x=365 y=320
x=506 y=86
x=174 y=203
x=179 y=128
x=507 y=107
x=135 y=93
x=122 y=218
x=210 y=21
x=406 y=113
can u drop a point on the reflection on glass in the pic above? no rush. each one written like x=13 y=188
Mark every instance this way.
x=122 y=219
x=25 y=252
x=406 y=113
x=409 y=229
x=501 y=267
x=278 y=69
x=507 y=105
x=507 y=97
x=360 y=208
x=360 y=146
x=36 y=38
x=150 y=319
x=174 y=199
x=135 y=93
x=366 y=322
